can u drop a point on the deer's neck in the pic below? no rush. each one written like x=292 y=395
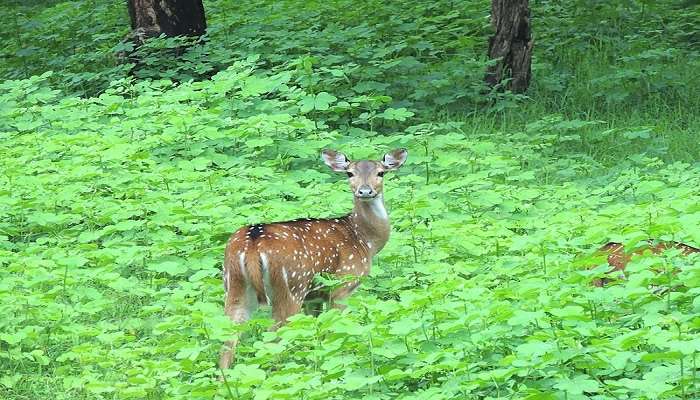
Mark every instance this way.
x=370 y=221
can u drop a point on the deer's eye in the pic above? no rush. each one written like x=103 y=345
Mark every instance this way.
x=380 y=174
x=350 y=174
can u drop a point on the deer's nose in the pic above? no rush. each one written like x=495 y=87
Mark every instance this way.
x=365 y=191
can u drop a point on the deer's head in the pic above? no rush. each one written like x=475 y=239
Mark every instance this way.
x=365 y=176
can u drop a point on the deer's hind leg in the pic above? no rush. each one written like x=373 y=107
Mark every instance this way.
x=287 y=297
x=241 y=302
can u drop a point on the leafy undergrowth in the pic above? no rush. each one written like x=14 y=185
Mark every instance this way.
x=115 y=210
x=590 y=57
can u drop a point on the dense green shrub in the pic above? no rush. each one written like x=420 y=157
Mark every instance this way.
x=115 y=210
x=117 y=194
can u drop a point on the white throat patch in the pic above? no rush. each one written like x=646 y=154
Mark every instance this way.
x=377 y=207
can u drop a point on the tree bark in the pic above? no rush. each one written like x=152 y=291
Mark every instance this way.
x=151 y=18
x=511 y=45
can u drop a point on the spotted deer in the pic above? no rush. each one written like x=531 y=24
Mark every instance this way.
x=618 y=258
x=275 y=263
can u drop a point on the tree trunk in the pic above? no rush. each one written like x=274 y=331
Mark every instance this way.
x=151 y=18
x=511 y=45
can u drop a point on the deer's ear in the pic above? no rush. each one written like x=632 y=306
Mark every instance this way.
x=336 y=160
x=394 y=159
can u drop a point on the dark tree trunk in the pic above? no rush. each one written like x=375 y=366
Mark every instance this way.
x=150 y=18
x=511 y=45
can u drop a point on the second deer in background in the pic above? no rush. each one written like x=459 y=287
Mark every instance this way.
x=618 y=258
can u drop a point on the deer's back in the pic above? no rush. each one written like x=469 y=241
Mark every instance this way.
x=289 y=254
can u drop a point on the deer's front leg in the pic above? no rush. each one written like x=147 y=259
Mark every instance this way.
x=342 y=292
x=284 y=307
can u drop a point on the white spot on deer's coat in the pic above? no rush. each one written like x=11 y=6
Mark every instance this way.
x=269 y=292
x=225 y=276
x=286 y=282
x=241 y=261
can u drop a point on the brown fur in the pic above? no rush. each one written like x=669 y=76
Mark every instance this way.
x=618 y=258
x=300 y=248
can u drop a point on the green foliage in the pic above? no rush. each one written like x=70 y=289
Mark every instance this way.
x=75 y=38
x=117 y=194
x=116 y=209
x=428 y=57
